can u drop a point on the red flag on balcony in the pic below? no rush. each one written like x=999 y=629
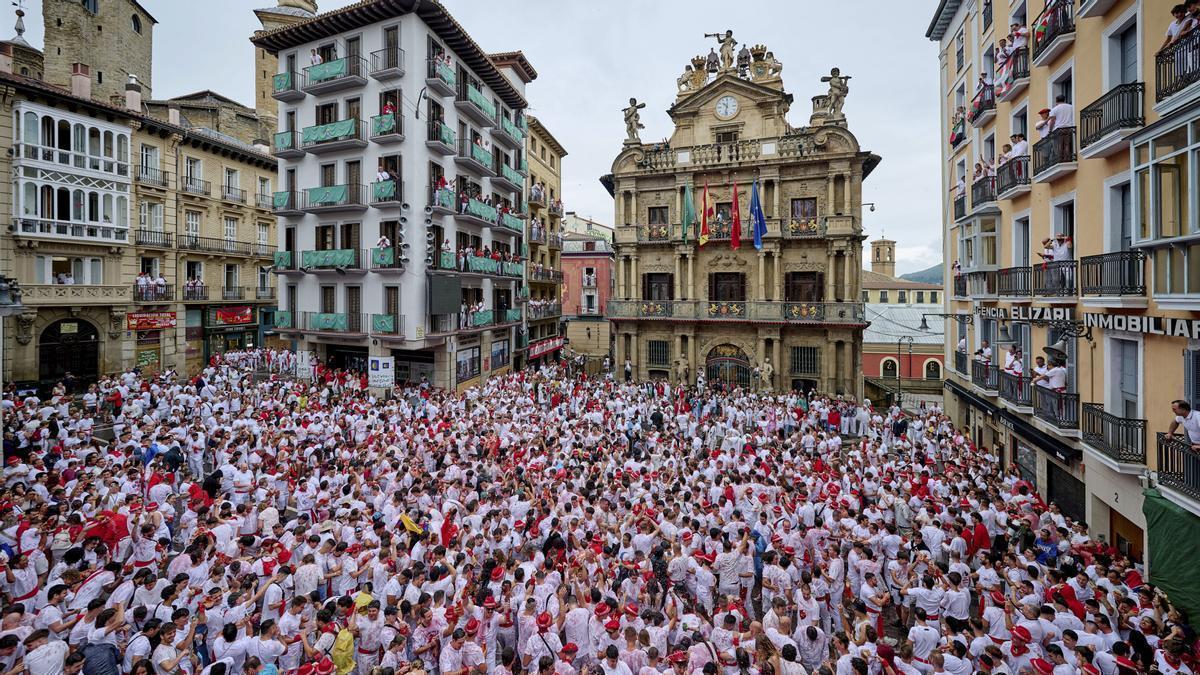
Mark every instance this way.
x=705 y=212
x=735 y=232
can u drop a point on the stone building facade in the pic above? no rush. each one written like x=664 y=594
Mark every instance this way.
x=683 y=306
x=114 y=38
x=266 y=64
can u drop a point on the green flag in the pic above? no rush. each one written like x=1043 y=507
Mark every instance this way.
x=689 y=210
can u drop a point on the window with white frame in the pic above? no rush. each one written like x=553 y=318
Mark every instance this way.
x=232 y=275
x=1121 y=45
x=977 y=245
x=191 y=226
x=264 y=277
x=231 y=225
x=194 y=270
x=1126 y=380
x=51 y=269
x=1021 y=243
x=193 y=171
x=1018 y=122
x=902 y=297
x=1162 y=193
x=1063 y=85
x=150 y=216
x=883 y=295
x=1120 y=217
x=1064 y=218
x=232 y=178
x=264 y=236
x=264 y=186
x=960 y=43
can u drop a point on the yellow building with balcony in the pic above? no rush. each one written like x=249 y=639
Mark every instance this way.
x=1077 y=238
x=726 y=307
x=544 y=271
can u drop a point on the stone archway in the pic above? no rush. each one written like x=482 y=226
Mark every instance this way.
x=68 y=345
x=729 y=365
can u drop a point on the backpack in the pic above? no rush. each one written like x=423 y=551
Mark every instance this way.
x=101 y=659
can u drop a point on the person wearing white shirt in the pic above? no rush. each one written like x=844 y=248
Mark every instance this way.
x=1190 y=419
x=44 y=656
x=1062 y=115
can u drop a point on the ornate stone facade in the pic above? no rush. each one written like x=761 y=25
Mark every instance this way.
x=787 y=312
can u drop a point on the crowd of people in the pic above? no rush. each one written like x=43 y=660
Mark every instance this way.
x=242 y=520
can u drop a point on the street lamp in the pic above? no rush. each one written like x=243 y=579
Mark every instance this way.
x=899 y=386
x=10 y=304
x=961 y=318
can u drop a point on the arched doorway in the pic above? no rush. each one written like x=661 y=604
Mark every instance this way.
x=729 y=365
x=69 y=345
x=933 y=370
x=888 y=370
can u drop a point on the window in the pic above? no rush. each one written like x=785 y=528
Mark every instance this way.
x=933 y=370
x=727 y=136
x=804 y=287
x=1063 y=85
x=866 y=296
x=264 y=186
x=960 y=43
x=467 y=364
x=920 y=297
x=657 y=286
x=63 y=270
x=232 y=274
x=264 y=277
x=231 y=229
x=657 y=215
x=1123 y=55
x=727 y=287
x=805 y=361
x=150 y=216
x=933 y=298
x=1021 y=243
x=136 y=23
x=92 y=6
x=804 y=209
x=1064 y=219
x=883 y=296
x=149 y=158
x=658 y=352
x=150 y=266
x=264 y=237
x=902 y=297
x=1191 y=378
x=1125 y=363
x=1019 y=123
x=888 y=369
x=191 y=226
x=194 y=269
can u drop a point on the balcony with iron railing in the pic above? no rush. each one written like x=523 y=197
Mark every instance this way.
x=983 y=192
x=387 y=64
x=287 y=203
x=440 y=137
x=390 y=258
x=1177 y=68
x=67 y=230
x=330 y=198
x=190 y=185
x=440 y=77
x=264 y=201
x=1059 y=409
x=387 y=128
x=229 y=293
x=1012 y=75
x=194 y=293
x=348 y=72
x=1121 y=440
x=347 y=323
x=348 y=134
x=507 y=178
x=387 y=193
x=286 y=145
x=190 y=242
x=474 y=157
x=958 y=132
x=589 y=281
x=1122 y=273
x=960 y=206
x=153 y=238
x=839 y=313
x=1052 y=32
x=151 y=293
x=544 y=311
x=1016 y=389
x=960 y=287
x=1106 y=124
x=152 y=176
x=264 y=293
x=231 y=193
x=983 y=107
x=286 y=87
x=1014 y=282
x=286 y=262
x=982 y=284
x=284 y=320
x=510 y=134
x=960 y=363
x=985 y=376
x=1178 y=465
x=1055 y=279
x=332 y=260
x=511 y=223
x=472 y=103
x=1054 y=155
x=555 y=208
x=479 y=213
x=545 y=275
x=442 y=200
x=1012 y=177
x=388 y=323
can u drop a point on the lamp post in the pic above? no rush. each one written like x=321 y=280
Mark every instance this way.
x=10 y=305
x=899 y=391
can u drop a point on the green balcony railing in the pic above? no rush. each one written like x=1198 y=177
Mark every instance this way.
x=386 y=191
x=344 y=257
x=283 y=260
x=511 y=315
x=512 y=175
x=483 y=265
x=483 y=318
x=335 y=69
x=383 y=257
x=282 y=82
x=446 y=260
x=479 y=209
x=443 y=72
x=330 y=196
x=512 y=269
x=477 y=99
x=284 y=140
x=284 y=319
x=511 y=222
x=480 y=155
x=334 y=131
x=384 y=324
x=382 y=125
x=443 y=197
x=514 y=132
x=441 y=132
x=331 y=321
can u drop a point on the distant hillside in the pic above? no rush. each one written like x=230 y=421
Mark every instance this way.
x=932 y=275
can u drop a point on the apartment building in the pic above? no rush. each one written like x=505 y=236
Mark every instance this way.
x=587 y=264
x=1113 y=300
x=401 y=146
x=545 y=311
x=721 y=304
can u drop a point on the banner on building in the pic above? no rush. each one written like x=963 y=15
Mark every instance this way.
x=304 y=365
x=381 y=372
x=150 y=320
x=545 y=347
x=233 y=315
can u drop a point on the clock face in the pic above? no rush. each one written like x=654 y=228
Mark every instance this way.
x=727 y=106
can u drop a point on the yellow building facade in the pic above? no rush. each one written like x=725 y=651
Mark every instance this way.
x=682 y=307
x=543 y=271
x=1116 y=295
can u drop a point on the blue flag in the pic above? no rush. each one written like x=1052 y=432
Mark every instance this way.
x=757 y=221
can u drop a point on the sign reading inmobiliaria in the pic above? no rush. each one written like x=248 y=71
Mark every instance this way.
x=1150 y=325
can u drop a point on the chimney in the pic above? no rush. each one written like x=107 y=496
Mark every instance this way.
x=6 y=58
x=262 y=146
x=81 y=80
x=133 y=94
x=173 y=113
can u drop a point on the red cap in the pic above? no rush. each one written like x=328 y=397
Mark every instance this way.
x=789 y=550
x=998 y=597
x=677 y=657
x=490 y=603
x=544 y=620
x=612 y=624
x=1042 y=666
x=570 y=648
x=306 y=669
x=472 y=625
x=602 y=610
x=1126 y=662
x=631 y=609
x=497 y=573
x=1022 y=633
x=324 y=667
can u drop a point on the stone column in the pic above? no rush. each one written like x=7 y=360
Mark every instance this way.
x=633 y=278
x=848 y=279
x=761 y=290
x=691 y=277
x=620 y=356
x=621 y=278
x=830 y=207
x=678 y=353
x=692 y=357
x=777 y=363
x=633 y=356
x=778 y=290
x=678 y=277
x=846 y=199
x=830 y=276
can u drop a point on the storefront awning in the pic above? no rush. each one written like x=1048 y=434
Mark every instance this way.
x=1045 y=443
x=972 y=398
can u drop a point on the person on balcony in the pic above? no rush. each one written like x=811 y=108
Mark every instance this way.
x=984 y=353
x=1003 y=51
x=316 y=59
x=1062 y=114
x=1179 y=18
x=1020 y=146
x=160 y=286
x=1054 y=377
x=389 y=108
x=1044 y=125
x=1013 y=362
x=1018 y=37
x=1190 y=419
x=382 y=174
x=383 y=242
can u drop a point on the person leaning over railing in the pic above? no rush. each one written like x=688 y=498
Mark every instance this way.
x=1189 y=419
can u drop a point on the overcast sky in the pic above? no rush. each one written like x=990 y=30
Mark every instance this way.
x=592 y=56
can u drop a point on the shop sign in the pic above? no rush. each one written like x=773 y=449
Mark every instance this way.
x=1149 y=325
x=1023 y=313
x=233 y=315
x=150 y=320
x=381 y=372
x=545 y=347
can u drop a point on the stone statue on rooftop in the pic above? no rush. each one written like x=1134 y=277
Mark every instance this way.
x=839 y=86
x=727 y=44
x=633 y=122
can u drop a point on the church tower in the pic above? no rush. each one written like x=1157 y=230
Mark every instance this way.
x=286 y=13
x=883 y=257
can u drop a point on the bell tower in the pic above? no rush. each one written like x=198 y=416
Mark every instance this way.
x=883 y=257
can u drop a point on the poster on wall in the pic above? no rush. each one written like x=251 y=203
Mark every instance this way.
x=381 y=372
x=232 y=316
x=147 y=359
x=304 y=365
x=150 y=320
